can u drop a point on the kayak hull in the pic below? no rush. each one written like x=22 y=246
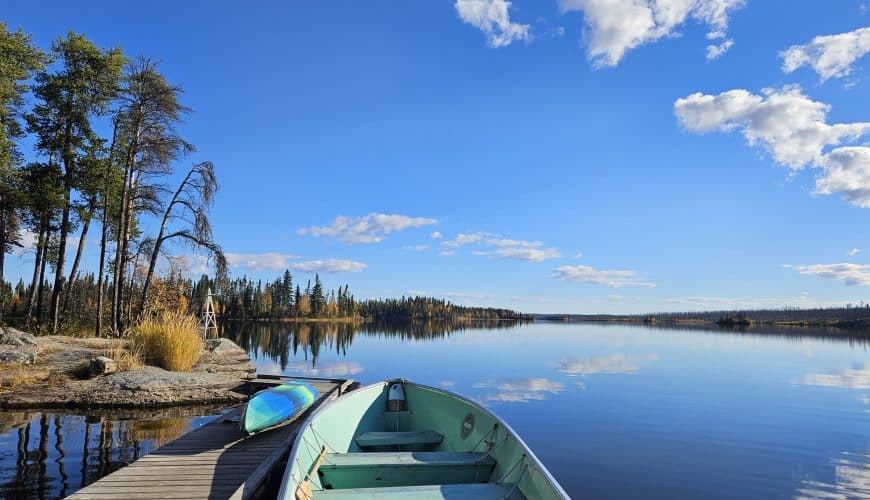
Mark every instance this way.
x=275 y=405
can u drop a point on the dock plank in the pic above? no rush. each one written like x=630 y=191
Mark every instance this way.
x=216 y=460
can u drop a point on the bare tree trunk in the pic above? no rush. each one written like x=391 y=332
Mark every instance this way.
x=3 y=243
x=41 y=288
x=64 y=228
x=92 y=203
x=61 y=261
x=124 y=217
x=155 y=253
x=120 y=255
x=104 y=230
x=34 y=284
x=102 y=272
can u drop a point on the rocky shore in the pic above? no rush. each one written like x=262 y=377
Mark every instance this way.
x=69 y=372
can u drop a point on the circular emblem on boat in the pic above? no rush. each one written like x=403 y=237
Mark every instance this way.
x=467 y=426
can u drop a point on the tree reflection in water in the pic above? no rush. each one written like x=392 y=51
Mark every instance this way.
x=277 y=340
x=67 y=441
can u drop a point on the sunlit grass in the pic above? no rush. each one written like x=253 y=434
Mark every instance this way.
x=125 y=359
x=171 y=341
x=18 y=375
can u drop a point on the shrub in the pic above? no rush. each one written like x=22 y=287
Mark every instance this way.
x=171 y=341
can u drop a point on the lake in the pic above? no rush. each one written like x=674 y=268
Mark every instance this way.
x=614 y=411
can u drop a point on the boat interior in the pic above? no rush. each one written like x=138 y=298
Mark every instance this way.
x=399 y=439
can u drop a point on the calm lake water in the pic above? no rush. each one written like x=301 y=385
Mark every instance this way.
x=613 y=411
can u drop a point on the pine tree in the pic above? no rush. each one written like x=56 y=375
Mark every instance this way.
x=296 y=301
x=19 y=59
x=86 y=80
x=318 y=301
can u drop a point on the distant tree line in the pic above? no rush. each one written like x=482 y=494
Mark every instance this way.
x=282 y=298
x=850 y=315
x=105 y=132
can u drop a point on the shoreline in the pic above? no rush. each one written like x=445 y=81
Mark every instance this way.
x=59 y=377
x=820 y=328
x=366 y=320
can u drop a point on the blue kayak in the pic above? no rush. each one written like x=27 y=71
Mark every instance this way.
x=272 y=406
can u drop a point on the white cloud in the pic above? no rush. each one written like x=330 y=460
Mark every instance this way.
x=716 y=51
x=196 y=264
x=853 y=252
x=28 y=241
x=794 y=129
x=588 y=274
x=505 y=242
x=528 y=254
x=269 y=261
x=329 y=266
x=436 y=235
x=464 y=239
x=416 y=248
x=851 y=274
x=492 y=18
x=847 y=171
x=371 y=228
x=504 y=248
x=479 y=298
x=447 y=253
x=789 y=124
x=616 y=26
x=831 y=56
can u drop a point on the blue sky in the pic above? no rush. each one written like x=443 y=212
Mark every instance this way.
x=595 y=155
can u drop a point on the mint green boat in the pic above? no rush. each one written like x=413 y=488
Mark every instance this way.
x=399 y=439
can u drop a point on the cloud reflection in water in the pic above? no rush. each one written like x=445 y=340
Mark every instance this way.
x=328 y=369
x=613 y=363
x=857 y=377
x=852 y=479
x=521 y=390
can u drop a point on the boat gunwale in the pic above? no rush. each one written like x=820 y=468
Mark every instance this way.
x=529 y=453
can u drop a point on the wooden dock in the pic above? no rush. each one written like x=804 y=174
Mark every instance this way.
x=215 y=461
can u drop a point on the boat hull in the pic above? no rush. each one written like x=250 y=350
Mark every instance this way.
x=344 y=449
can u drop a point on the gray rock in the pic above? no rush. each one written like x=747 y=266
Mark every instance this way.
x=217 y=378
x=223 y=356
x=224 y=347
x=102 y=365
x=17 y=347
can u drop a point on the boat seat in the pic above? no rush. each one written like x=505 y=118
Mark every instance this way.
x=426 y=492
x=381 y=469
x=371 y=439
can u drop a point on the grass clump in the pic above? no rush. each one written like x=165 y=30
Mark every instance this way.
x=18 y=375
x=171 y=341
x=125 y=359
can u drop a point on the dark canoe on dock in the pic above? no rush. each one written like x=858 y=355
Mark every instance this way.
x=217 y=460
